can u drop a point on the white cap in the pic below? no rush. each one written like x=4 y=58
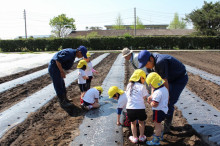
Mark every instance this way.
x=126 y=52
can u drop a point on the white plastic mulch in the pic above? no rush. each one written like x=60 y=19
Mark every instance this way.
x=14 y=63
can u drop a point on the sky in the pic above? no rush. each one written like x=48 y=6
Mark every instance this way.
x=87 y=13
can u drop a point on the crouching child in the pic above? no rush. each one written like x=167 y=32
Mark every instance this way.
x=118 y=94
x=91 y=98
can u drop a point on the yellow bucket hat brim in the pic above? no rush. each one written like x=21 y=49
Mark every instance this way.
x=138 y=73
x=81 y=64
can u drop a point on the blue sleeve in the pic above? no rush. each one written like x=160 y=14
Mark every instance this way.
x=162 y=67
x=119 y=110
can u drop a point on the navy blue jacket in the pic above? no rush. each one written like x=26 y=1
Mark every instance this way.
x=66 y=57
x=168 y=67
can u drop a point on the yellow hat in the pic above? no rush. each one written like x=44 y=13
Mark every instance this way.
x=137 y=74
x=81 y=63
x=88 y=54
x=99 y=88
x=113 y=90
x=154 y=79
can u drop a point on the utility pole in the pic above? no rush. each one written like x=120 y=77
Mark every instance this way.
x=25 y=23
x=134 y=21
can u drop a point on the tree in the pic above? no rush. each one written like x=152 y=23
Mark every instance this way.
x=207 y=19
x=176 y=23
x=62 y=25
x=119 y=23
x=139 y=24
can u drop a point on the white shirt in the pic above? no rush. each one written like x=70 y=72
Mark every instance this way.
x=89 y=69
x=90 y=95
x=135 y=96
x=81 y=74
x=122 y=101
x=161 y=95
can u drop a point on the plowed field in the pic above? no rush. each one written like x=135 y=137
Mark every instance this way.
x=51 y=125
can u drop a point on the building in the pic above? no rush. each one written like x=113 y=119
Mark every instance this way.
x=150 y=26
x=139 y=32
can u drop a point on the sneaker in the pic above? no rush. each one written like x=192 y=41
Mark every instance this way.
x=133 y=139
x=142 y=138
x=154 y=141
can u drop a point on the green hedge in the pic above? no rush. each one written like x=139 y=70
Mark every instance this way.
x=112 y=43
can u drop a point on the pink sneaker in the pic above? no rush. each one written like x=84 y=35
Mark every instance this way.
x=133 y=139
x=142 y=138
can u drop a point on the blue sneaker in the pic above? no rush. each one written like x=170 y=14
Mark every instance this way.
x=154 y=141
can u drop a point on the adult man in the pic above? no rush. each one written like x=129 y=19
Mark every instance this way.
x=63 y=60
x=132 y=58
x=173 y=73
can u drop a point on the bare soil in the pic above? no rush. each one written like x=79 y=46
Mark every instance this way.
x=51 y=125
x=21 y=91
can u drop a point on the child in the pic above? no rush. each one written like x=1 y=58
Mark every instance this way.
x=91 y=98
x=136 y=93
x=82 y=78
x=89 y=71
x=159 y=102
x=119 y=95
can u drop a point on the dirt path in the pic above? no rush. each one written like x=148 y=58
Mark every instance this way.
x=51 y=125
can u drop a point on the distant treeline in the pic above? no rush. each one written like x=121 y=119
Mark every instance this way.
x=112 y=43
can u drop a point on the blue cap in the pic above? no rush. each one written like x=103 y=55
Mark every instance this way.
x=83 y=50
x=143 y=58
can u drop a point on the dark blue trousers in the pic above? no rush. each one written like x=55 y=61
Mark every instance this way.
x=175 y=89
x=58 y=82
